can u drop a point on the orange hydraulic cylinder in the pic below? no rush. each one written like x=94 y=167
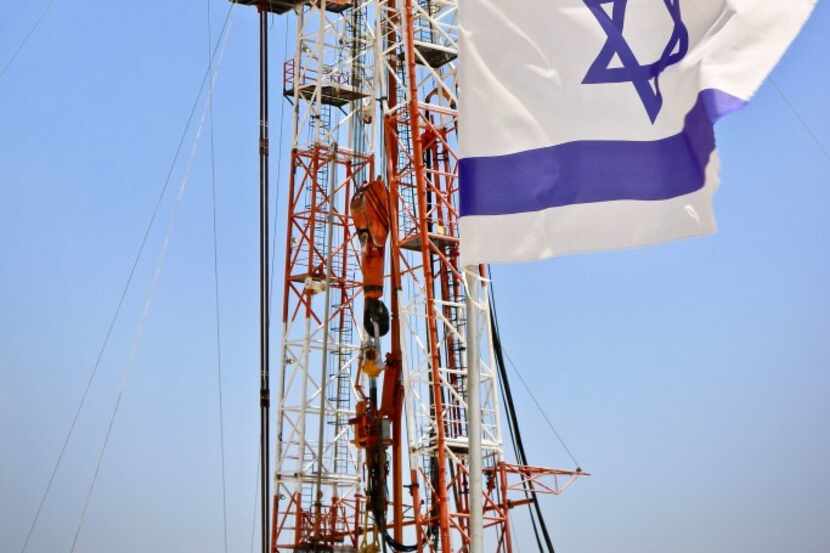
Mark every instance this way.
x=371 y=218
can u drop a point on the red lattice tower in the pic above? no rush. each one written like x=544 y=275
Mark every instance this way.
x=373 y=91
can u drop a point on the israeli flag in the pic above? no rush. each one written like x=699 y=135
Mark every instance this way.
x=588 y=124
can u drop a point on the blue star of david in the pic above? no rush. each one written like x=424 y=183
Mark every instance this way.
x=641 y=76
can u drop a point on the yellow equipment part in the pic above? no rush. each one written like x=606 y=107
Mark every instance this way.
x=370 y=368
x=369 y=548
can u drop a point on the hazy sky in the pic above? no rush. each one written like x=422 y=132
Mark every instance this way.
x=691 y=379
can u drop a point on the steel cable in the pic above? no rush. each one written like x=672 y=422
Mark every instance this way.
x=212 y=73
x=529 y=391
x=114 y=319
x=797 y=114
x=510 y=431
x=513 y=425
x=26 y=38
x=217 y=303
x=534 y=509
x=541 y=410
x=255 y=511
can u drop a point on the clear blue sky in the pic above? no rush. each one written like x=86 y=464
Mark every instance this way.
x=691 y=379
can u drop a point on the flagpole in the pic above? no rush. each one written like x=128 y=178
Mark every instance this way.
x=474 y=456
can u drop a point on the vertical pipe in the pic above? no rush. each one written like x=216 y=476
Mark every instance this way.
x=435 y=362
x=264 y=391
x=474 y=413
x=386 y=94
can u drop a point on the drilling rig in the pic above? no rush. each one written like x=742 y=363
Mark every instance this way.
x=372 y=445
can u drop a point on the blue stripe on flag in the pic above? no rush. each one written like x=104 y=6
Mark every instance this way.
x=597 y=170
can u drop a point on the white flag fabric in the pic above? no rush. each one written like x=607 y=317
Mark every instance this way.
x=588 y=124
